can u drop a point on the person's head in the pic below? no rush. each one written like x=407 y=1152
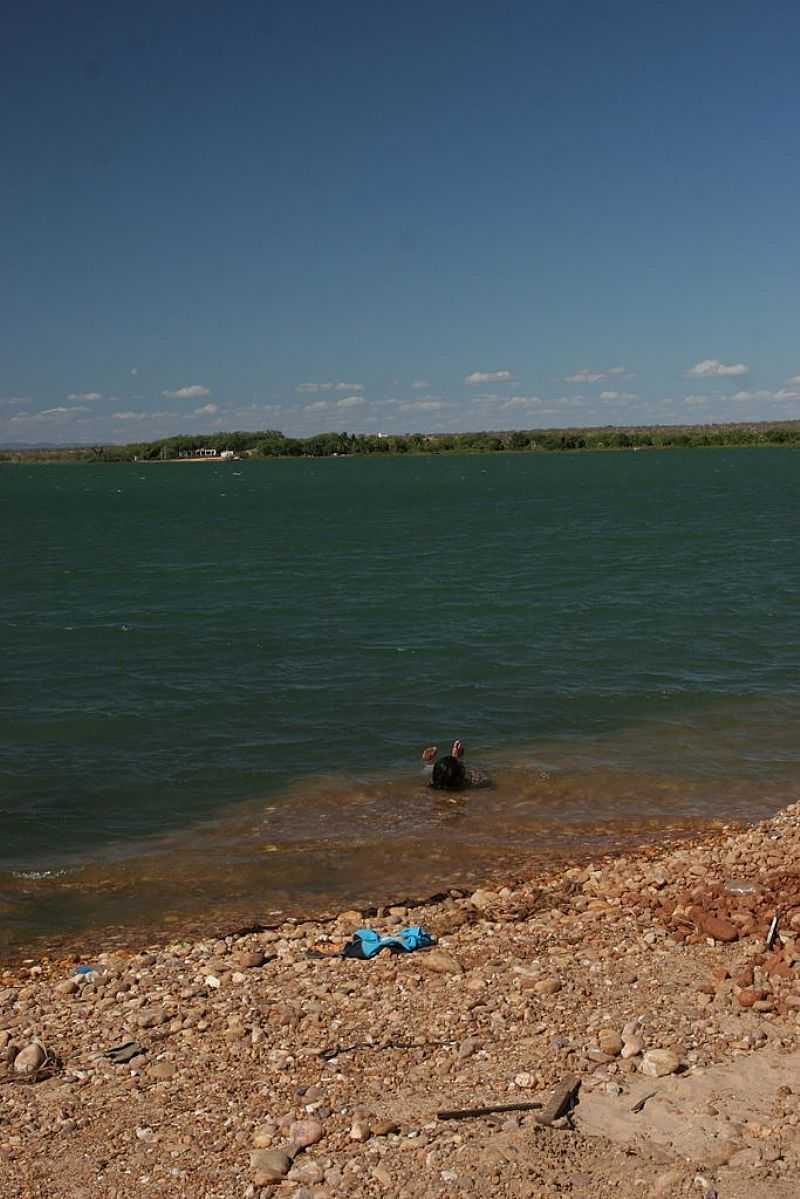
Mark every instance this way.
x=458 y=749
x=448 y=774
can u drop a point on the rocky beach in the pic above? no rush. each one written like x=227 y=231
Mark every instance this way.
x=637 y=1017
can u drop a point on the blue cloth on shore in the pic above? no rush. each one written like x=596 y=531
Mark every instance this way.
x=365 y=942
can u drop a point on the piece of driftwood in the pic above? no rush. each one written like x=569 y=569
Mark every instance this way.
x=561 y=1101
x=466 y=1112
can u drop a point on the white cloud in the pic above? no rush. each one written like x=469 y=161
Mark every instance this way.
x=522 y=402
x=795 y=379
x=349 y=386
x=312 y=388
x=134 y=370
x=619 y=395
x=427 y=405
x=206 y=410
x=781 y=394
x=15 y=401
x=488 y=377
x=84 y=397
x=350 y=401
x=193 y=392
x=586 y=376
x=712 y=368
x=696 y=400
x=617 y=370
x=130 y=415
x=316 y=406
x=49 y=414
x=420 y=384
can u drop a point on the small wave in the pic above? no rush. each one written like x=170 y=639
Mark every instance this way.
x=36 y=875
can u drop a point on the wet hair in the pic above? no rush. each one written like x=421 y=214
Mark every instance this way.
x=448 y=774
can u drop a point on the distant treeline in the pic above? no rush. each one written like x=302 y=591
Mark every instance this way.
x=272 y=444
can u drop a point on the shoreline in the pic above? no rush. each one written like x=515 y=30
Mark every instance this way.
x=219 y=922
x=260 y=1069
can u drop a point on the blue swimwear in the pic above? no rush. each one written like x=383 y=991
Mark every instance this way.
x=366 y=942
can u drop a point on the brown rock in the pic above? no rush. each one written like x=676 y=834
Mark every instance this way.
x=383 y=1128
x=150 y=1017
x=269 y=1165
x=161 y=1070
x=360 y=1130
x=714 y=926
x=250 y=961
x=547 y=986
x=264 y=1136
x=750 y=995
x=29 y=1060
x=438 y=961
x=303 y=1133
x=656 y=1063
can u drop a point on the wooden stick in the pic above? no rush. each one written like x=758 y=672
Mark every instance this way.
x=466 y=1112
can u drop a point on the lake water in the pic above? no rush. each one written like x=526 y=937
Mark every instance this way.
x=217 y=678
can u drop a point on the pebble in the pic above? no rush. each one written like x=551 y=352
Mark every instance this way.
x=438 y=961
x=29 y=1060
x=269 y=1165
x=714 y=926
x=360 y=1130
x=307 y=1172
x=264 y=1136
x=250 y=961
x=161 y=1070
x=610 y=1042
x=151 y=1017
x=657 y=1063
x=468 y=1047
x=547 y=986
x=303 y=1133
x=383 y=1128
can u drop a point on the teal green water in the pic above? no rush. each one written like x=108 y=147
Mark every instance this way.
x=217 y=678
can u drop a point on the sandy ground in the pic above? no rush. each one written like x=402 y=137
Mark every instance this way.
x=255 y=1067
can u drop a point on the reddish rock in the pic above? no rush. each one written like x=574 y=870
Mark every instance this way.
x=750 y=996
x=780 y=969
x=714 y=926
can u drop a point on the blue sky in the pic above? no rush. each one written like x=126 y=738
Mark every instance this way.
x=439 y=216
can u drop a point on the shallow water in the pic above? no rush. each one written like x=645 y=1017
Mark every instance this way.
x=218 y=679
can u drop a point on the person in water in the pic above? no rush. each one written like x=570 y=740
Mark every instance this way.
x=449 y=773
